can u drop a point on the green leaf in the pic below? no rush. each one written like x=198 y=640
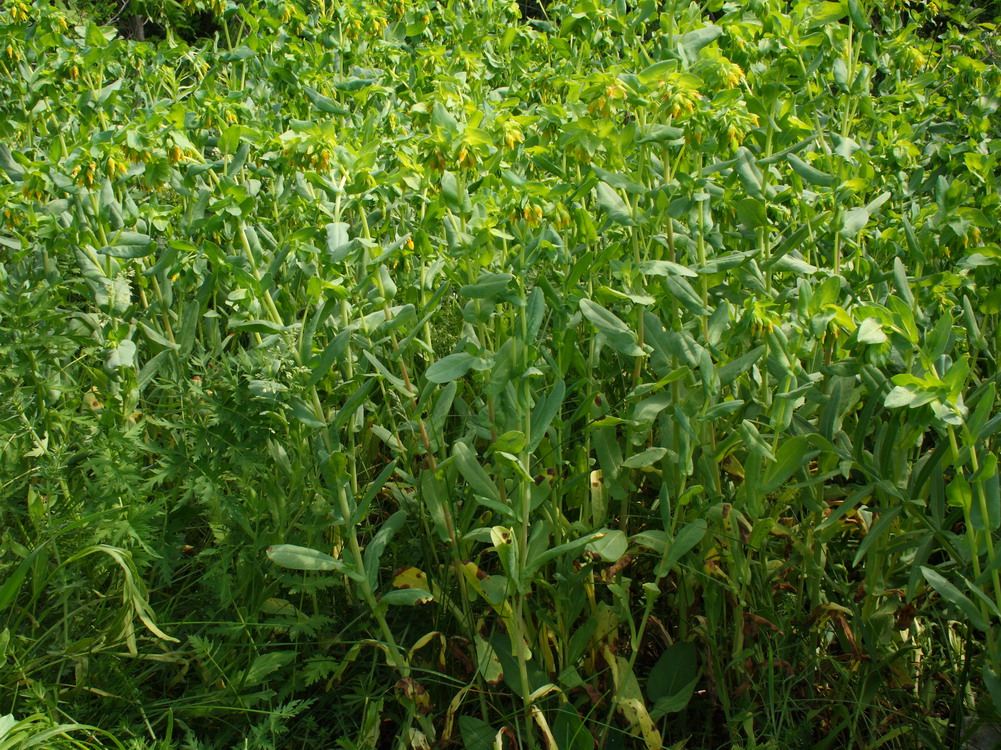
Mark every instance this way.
x=748 y=172
x=665 y=268
x=242 y=52
x=686 y=540
x=355 y=83
x=683 y=292
x=406 y=597
x=854 y=221
x=443 y=119
x=377 y=545
x=899 y=396
x=694 y=41
x=129 y=245
x=473 y=473
x=618 y=334
x=123 y=355
x=956 y=597
x=13 y=581
x=826 y=12
x=871 y=332
x=323 y=103
x=265 y=664
x=736 y=367
x=673 y=678
x=339 y=244
x=561 y=550
x=451 y=367
x=255 y=326
x=645 y=459
x=544 y=414
x=613 y=205
x=477 y=734
x=569 y=730
x=611 y=545
x=303 y=558
x=791 y=456
x=487 y=286
x=451 y=192
x=751 y=213
x=857 y=16
x=810 y=174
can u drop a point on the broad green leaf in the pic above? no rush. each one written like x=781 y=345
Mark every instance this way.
x=451 y=367
x=665 y=268
x=339 y=244
x=611 y=545
x=255 y=326
x=618 y=334
x=899 y=396
x=544 y=414
x=569 y=730
x=748 y=172
x=129 y=245
x=450 y=191
x=686 y=540
x=377 y=545
x=613 y=205
x=826 y=12
x=792 y=455
x=753 y=439
x=809 y=173
x=854 y=221
x=955 y=597
x=265 y=664
x=473 y=473
x=355 y=83
x=645 y=459
x=673 y=678
x=562 y=550
x=406 y=597
x=871 y=332
x=323 y=103
x=303 y=558
x=123 y=355
x=694 y=41
x=683 y=292
x=857 y=16
x=477 y=734
x=751 y=213
x=487 y=286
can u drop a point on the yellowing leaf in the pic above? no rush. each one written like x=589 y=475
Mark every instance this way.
x=410 y=577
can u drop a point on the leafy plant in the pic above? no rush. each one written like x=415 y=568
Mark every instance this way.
x=418 y=374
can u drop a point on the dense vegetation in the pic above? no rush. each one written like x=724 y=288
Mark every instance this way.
x=419 y=374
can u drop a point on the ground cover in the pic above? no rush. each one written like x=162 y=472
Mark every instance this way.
x=430 y=375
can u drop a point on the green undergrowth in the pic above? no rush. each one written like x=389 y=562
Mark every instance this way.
x=421 y=375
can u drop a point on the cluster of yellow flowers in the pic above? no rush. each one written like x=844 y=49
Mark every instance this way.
x=913 y=59
x=20 y=11
x=86 y=176
x=602 y=105
x=466 y=160
x=680 y=102
x=730 y=73
x=116 y=166
x=375 y=20
x=512 y=134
